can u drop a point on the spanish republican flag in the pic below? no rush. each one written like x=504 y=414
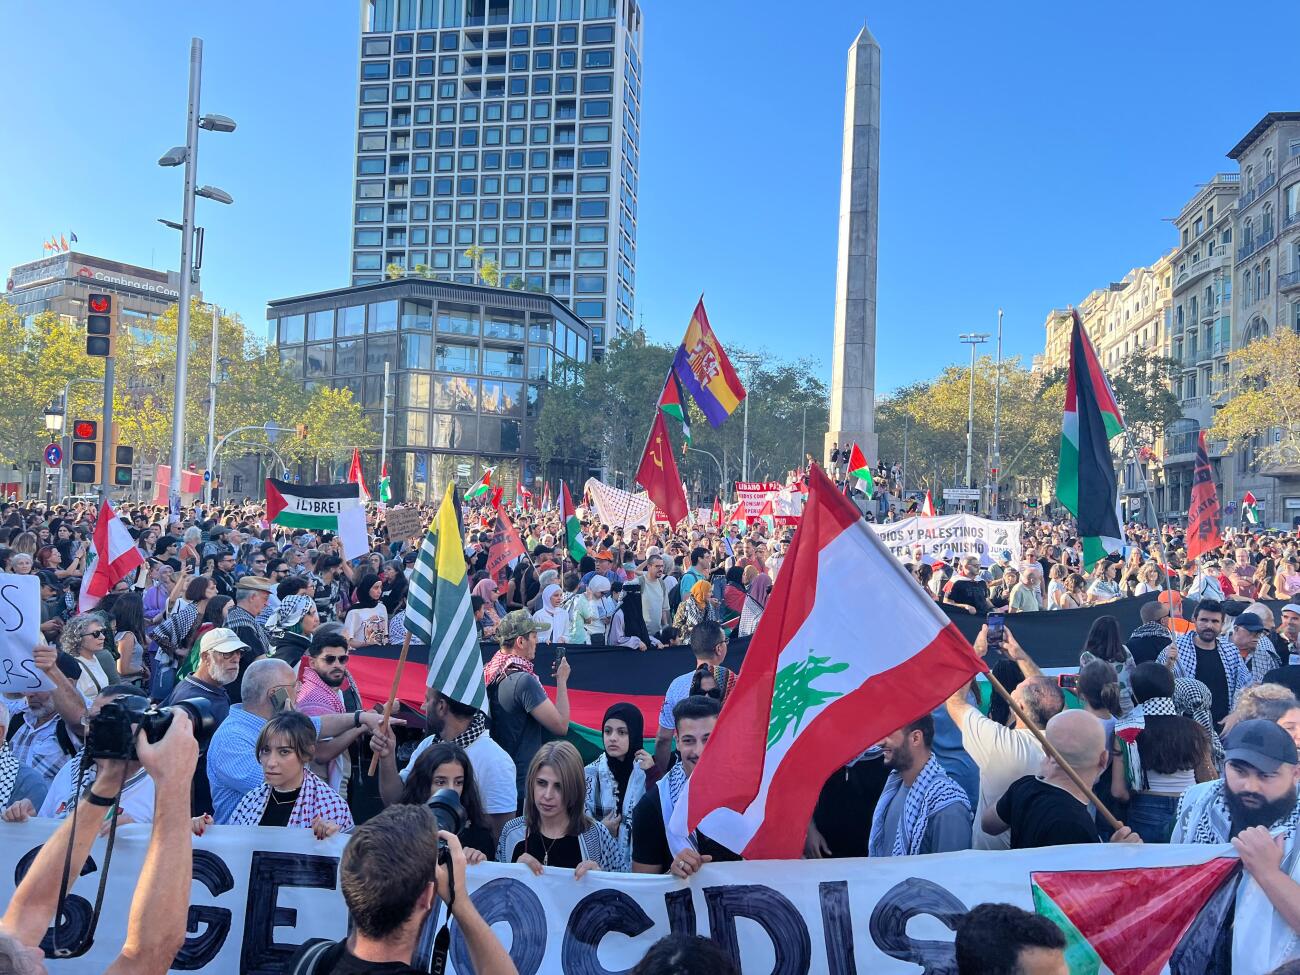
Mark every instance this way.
x=703 y=367
x=813 y=694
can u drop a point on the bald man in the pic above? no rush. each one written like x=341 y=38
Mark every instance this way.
x=1048 y=809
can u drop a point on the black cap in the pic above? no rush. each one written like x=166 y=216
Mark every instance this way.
x=1250 y=622
x=1261 y=743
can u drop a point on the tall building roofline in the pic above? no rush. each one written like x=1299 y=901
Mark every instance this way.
x=1262 y=126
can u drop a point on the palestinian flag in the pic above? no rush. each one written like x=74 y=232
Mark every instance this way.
x=672 y=403
x=355 y=476
x=481 y=488
x=385 y=485
x=574 y=542
x=859 y=468
x=1138 y=921
x=1250 y=508
x=1085 y=482
x=547 y=504
x=767 y=514
x=716 y=517
x=320 y=508
x=812 y=695
x=438 y=611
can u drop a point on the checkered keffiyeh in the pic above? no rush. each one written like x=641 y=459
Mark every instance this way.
x=315 y=799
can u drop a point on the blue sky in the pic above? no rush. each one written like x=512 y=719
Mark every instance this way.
x=1027 y=156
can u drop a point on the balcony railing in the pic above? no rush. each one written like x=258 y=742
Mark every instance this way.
x=1289 y=281
x=1291 y=219
x=1249 y=247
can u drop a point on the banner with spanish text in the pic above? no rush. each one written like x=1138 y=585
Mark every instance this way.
x=960 y=535
x=260 y=892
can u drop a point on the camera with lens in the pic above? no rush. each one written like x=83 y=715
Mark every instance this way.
x=112 y=732
x=447 y=810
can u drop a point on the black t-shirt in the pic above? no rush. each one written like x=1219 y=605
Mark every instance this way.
x=279 y=807
x=1040 y=814
x=512 y=701
x=1209 y=671
x=970 y=592
x=565 y=851
x=650 y=841
x=337 y=960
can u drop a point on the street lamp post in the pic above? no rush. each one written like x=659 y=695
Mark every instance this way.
x=997 y=422
x=188 y=155
x=972 y=339
x=53 y=425
x=209 y=476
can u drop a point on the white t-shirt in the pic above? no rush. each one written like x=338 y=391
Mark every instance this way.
x=494 y=772
x=1003 y=755
x=137 y=797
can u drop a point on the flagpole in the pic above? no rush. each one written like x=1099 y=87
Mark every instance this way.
x=1155 y=517
x=1023 y=717
x=392 y=696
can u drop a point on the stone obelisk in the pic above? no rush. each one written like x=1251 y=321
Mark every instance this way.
x=853 y=366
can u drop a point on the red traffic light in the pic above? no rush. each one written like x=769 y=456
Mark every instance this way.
x=100 y=304
x=85 y=430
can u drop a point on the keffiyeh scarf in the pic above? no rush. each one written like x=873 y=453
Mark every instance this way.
x=290 y=612
x=932 y=791
x=9 y=767
x=477 y=725
x=1152 y=629
x=503 y=663
x=315 y=799
x=1133 y=724
x=1213 y=822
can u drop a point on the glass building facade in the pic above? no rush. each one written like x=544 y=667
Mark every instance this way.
x=508 y=125
x=468 y=371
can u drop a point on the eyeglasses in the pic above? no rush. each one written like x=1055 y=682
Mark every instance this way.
x=94 y=633
x=329 y=658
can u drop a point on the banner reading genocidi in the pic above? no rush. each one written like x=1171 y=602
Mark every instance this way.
x=260 y=892
x=961 y=535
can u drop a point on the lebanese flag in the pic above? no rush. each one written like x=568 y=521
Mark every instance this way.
x=813 y=694
x=356 y=477
x=114 y=557
x=927 y=509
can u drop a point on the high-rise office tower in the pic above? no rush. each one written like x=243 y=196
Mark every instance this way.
x=507 y=126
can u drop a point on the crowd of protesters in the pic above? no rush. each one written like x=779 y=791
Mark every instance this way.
x=1185 y=729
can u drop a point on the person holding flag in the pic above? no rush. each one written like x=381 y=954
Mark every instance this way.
x=1250 y=509
x=860 y=469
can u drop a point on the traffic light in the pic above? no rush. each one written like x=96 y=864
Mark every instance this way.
x=123 y=464
x=101 y=325
x=302 y=431
x=85 y=452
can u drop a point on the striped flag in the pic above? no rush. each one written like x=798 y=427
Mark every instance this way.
x=573 y=540
x=113 y=557
x=1250 y=508
x=859 y=468
x=672 y=402
x=438 y=611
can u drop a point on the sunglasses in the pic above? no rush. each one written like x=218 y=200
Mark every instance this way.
x=94 y=633
x=329 y=658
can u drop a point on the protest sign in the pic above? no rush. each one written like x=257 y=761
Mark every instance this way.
x=259 y=892
x=20 y=631
x=753 y=495
x=961 y=535
x=404 y=523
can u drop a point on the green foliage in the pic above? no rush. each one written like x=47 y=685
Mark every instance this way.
x=604 y=410
x=1143 y=388
x=1264 y=396
x=394 y=271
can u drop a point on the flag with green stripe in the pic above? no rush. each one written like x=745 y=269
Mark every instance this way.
x=438 y=611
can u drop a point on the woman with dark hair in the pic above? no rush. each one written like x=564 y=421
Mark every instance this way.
x=292 y=794
x=129 y=634
x=685 y=954
x=393 y=594
x=627 y=625
x=215 y=613
x=1105 y=643
x=554 y=830
x=1158 y=754
x=1099 y=691
x=616 y=780
x=444 y=765
x=366 y=624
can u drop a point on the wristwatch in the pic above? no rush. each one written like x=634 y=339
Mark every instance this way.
x=356 y=719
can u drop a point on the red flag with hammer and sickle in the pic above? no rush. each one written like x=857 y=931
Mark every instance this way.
x=658 y=473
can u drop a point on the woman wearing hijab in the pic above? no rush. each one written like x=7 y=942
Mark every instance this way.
x=291 y=627
x=617 y=780
x=594 y=609
x=733 y=593
x=694 y=609
x=552 y=614
x=627 y=625
x=544 y=579
x=493 y=611
x=366 y=624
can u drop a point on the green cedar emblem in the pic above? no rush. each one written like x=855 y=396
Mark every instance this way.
x=794 y=693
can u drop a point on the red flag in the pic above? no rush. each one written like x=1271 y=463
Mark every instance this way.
x=115 y=556
x=927 y=509
x=658 y=473
x=496 y=496
x=717 y=510
x=1203 y=514
x=506 y=544
x=811 y=697
x=356 y=477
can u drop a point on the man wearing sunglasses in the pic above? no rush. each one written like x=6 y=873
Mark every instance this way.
x=325 y=689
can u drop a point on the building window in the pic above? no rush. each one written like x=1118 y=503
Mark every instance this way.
x=379 y=351
x=453 y=357
x=502 y=398
x=417 y=352
x=455 y=393
x=347 y=357
x=456 y=319
x=589 y=309
x=508 y=363
x=501 y=324
x=351 y=320
x=417 y=315
x=383 y=316
x=292 y=329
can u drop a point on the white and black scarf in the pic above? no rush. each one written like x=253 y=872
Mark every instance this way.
x=1213 y=822
x=933 y=791
x=9 y=768
x=477 y=725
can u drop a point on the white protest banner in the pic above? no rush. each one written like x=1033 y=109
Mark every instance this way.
x=259 y=892
x=617 y=508
x=961 y=535
x=20 y=631
x=404 y=523
x=754 y=494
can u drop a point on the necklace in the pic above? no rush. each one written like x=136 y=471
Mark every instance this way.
x=293 y=797
x=546 y=849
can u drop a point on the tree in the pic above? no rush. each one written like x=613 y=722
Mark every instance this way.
x=335 y=425
x=1264 y=395
x=489 y=273
x=394 y=271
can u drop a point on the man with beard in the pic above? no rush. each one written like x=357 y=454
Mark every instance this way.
x=219 y=653
x=450 y=720
x=1211 y=659
x=325 y=689
x=922 y=810
x=1255 y=806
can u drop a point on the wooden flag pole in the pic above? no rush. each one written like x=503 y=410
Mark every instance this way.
x=392 y=697
x=1023 y=717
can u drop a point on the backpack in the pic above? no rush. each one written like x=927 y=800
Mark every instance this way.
x=313 y=953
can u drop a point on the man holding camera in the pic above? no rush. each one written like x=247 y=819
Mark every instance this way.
x=156 y=928
x=390 y=874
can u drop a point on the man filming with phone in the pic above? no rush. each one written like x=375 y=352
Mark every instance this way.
x=156 y=928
